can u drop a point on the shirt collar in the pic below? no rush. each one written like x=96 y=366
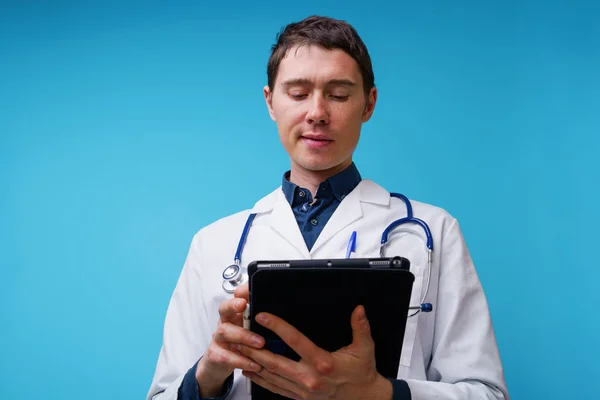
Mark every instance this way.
x=339 y=185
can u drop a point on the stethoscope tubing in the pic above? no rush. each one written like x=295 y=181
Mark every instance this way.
x=232 y=275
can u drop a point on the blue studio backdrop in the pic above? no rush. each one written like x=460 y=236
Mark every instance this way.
x=127 y=126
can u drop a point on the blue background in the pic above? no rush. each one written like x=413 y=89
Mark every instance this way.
x=114 y=118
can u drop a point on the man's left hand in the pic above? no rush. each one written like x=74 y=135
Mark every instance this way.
x=349 y=373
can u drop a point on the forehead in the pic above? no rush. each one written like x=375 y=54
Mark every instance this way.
x=318 y=65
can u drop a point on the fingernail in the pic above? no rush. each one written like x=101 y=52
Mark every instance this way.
x=262 y=318
x=361 y=314
x=256 y=341
x=254 y=366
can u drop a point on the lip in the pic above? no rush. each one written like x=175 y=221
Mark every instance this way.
x=317 y=136
x=316 y=141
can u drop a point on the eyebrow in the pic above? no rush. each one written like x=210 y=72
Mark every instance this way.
x=304 y=81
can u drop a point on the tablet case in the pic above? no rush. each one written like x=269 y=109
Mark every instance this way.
x=318 y=297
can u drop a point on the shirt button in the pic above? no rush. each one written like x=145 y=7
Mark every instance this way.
x=314 y=222
x=302 y=194
x=305 y=207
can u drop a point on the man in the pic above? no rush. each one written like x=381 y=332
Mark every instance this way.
x=320 y=91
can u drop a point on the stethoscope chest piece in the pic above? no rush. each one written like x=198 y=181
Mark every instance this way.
x=232 y=278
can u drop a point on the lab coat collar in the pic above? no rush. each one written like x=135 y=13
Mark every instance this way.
x=280 y=217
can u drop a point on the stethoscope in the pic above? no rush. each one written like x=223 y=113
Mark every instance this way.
x=233 y=276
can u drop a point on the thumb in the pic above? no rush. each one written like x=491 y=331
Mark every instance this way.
x=361 y=330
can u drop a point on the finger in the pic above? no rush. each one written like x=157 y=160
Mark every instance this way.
x=310 y=384
x=305 y=348
x=259 y=380
x=361 y=330
x=227 y=332
x=228 y=309
x=301 y=373
x=221 y=357
x=242 y=292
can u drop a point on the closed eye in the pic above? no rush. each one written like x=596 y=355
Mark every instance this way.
x=297 y=96
x=340 y=98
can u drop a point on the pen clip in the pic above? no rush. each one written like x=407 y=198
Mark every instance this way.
x=351 y=245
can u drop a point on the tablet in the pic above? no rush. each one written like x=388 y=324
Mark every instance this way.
x=318 y=297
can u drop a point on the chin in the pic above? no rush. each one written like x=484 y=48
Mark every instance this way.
x=318 y=164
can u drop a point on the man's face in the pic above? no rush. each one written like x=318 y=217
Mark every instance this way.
x=319 y=105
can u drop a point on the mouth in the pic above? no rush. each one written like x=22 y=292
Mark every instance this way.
x=316 y=137
x=316 y=141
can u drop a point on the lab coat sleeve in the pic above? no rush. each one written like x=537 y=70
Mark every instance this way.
x=465 y=363
x=186 y=332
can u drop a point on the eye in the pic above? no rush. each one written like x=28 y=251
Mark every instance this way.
x=340 y=98
x=297 y=96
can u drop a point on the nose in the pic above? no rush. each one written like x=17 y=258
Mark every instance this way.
x=317 y=114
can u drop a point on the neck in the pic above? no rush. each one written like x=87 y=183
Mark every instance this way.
x=312 y=179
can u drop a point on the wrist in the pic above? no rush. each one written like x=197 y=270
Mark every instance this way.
x=380 y=389
x=208 y=385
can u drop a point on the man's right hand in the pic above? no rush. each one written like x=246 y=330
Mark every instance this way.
x=222 y=355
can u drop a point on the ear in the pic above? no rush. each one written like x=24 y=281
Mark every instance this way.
x=370 y=106
x=269 y=100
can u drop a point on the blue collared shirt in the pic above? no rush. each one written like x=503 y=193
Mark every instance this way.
x=312 y=216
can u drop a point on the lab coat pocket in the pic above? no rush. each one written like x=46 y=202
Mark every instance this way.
x=410 y=332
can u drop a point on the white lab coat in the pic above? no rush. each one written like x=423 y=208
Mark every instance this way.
x=450 y=353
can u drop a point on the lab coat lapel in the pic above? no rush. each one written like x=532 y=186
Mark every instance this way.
x=280 y=217
x=350 y=209
x=283 y=221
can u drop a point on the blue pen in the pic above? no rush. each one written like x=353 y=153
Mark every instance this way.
x=351 y=245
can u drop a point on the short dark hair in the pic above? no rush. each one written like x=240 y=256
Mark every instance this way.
x=328 y=33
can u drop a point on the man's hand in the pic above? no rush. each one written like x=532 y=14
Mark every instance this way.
x=349 y=373
x=221 y=357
